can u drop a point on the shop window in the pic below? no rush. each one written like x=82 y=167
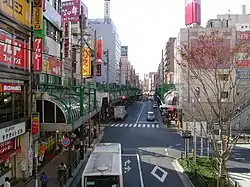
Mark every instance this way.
x=13 y=106
x=49 y=116
x=51 y=31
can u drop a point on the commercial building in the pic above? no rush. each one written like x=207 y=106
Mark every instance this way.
x=14 y=90
x=169 y=58
x=124 y=65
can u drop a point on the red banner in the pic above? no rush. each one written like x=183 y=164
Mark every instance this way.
x=10 y=88
x=38 y=57
x=13 y=52
x=99 y=51
x=243 y=35
x=6 y=146
x=35 y=124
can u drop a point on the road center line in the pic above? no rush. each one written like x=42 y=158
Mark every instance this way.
x=140 y=170
x=140 y=113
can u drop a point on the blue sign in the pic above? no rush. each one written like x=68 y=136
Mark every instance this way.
x=66 y=142
x=243 y=74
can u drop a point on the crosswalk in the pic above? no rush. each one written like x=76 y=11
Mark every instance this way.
x=135 y=125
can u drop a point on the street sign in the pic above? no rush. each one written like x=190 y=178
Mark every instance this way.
x=66 y=142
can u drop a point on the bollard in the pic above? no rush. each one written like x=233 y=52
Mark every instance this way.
x=70 y=171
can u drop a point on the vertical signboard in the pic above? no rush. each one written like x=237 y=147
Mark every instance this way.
x=192 y=12
x=38 y=57
x=66 y=40
x=35 y=124
x=99 y=56
x=86 y=62
x=38 y=15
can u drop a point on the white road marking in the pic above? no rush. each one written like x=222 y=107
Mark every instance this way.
x=157 y=126
x=117 y=125
x=121 y=125
x=140 y=112
x=143 y=125
x=148 y=126
x=166 y=152
x=126 y=125
x=130 y=125
x=112 y=125
x=134 y=125
x=164 y=175
x=153 y=125
x=139 y=125
x=140 y=170
x=170 y=146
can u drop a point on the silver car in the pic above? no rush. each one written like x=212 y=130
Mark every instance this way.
x=151 y=116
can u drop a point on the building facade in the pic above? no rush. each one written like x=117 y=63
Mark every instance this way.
x=105 y=28
x=169 y=61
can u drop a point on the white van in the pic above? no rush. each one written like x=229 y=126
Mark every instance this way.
x=104 y=167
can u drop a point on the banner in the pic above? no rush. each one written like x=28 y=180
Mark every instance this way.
x=86 y=62
x=67 y=40
x=35 y=123
x=243 y=74
x=98 y=70
x=19 y=10
x=38 y=57
x=10 y=88
x=52 y=66
x=51 y=47
x=99 y=51
x=38 y=15
x=52 y=15
x=13 y=52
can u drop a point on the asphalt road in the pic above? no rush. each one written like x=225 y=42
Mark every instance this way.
x=148 y=148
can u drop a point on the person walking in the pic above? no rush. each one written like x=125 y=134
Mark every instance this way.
x=7 y=182
x=62 y=171
x=44 y=179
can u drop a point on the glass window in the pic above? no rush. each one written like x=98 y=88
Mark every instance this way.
x=100 y=181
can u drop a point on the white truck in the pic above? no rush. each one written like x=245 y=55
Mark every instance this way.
x=120 y=112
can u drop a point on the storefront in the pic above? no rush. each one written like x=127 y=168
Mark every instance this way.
x=10 y=144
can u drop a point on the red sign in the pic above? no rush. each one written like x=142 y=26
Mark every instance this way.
x=66 y=40
x=10 y=88
x=243 y=63
x=99 y=51
x=98 y=70
x=243 y=35
x=13 y=52
x=6 y=146
x=38 y=57
x=55 y=66
x=35 y=124
x=71 y=11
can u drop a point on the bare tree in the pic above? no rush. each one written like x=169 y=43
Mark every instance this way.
x=209 y=64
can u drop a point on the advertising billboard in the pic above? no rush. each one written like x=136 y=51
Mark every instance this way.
x=67 y=40
x=52 y=15
x=71 y=11
x=38 y=57
x=99 y=51
x=10 y=88
x=124 y=51
x=19 y=10
x=13 y=52
x=38 y=15
x=86 y=62
x=243 y=35
x=52 y=66
x=192 y=12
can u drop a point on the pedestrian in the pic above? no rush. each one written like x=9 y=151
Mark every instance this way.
x=62 y=168
x=7 y=182
x=44 y=179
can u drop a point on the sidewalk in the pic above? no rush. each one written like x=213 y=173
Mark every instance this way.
x=51 y=168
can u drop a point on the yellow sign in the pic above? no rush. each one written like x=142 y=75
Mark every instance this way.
x=38 y=18
x=86 y=62
x=19 y=10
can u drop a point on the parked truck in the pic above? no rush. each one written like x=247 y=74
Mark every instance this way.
x=120 y=112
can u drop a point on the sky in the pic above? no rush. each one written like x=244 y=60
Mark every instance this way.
x=145 y=25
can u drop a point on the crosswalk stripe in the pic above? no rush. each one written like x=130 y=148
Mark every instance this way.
x=126 y=125
x=134 y=125
x=153 y=125
x=121 y=125
x=130 y=125
x=143 y=125
x=139 y=125
x=148 y=126
x=112 y=125
x=117 y=125
x=157 y=126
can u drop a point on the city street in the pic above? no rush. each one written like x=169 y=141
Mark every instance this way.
x=148 y=148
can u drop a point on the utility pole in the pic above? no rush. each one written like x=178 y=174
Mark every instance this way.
x=107 y=81
x=120 y=72
x=95 y=57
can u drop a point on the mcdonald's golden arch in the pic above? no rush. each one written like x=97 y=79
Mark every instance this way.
x=19 y=10
x=86 y=62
